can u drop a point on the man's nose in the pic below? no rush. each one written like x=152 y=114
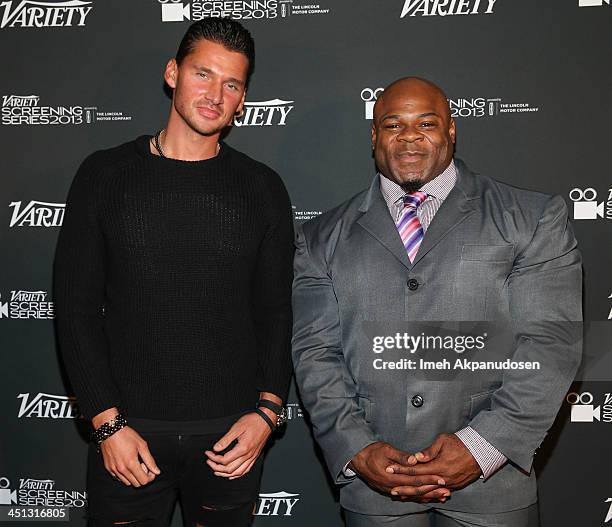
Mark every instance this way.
x=214 y=94
x=409 y=134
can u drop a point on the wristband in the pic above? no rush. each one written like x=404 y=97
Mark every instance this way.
x=263 y=415
x=108 y=429
x=270 y=405
x=280 y=411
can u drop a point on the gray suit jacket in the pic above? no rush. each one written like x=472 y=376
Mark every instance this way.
x=492 y=253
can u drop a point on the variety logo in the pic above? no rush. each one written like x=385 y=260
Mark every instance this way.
x=265 y=113
x=25 y=109
x=276 y=504
x=584 y=411
x=47 y=406
x=593 y=3
x=447 y=7
x=34 y=13
x=180 y=10
x=460 y=107
x=27 y=305
x=609 y=514
x=40 y=493
x=304 y=215
x=610 y=314
x=37 y=214
x=586 y=206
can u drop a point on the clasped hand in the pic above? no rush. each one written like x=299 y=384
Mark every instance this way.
x=425 y=476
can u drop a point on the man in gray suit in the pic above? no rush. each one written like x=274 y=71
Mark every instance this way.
x=432 y=241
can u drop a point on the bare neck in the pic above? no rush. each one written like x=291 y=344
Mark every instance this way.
x=181 y=142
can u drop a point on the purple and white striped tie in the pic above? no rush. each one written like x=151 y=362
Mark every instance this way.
x=408 y=224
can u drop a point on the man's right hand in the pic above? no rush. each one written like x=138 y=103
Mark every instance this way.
x=371 y=463
x=126 y=454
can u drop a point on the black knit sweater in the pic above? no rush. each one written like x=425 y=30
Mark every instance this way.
x=173 y=284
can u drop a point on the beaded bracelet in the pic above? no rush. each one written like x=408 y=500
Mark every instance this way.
x=108 y=429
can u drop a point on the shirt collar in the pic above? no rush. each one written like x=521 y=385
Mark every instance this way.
x=439 y=187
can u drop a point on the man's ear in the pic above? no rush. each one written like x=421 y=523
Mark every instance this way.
x=373 y=136
x=171 y=73
x=240 y=108
x=452 y=131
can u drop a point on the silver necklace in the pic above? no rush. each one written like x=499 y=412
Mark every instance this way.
x=157 y=144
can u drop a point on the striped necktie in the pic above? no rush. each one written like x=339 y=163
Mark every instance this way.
x=408 y=224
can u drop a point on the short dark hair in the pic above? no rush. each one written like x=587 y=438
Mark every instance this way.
x=225 y=31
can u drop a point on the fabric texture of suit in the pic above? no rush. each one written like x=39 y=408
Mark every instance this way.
x=492 y=253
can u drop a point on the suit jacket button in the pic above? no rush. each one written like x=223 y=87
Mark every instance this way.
x=417 y=401
x=413 y=285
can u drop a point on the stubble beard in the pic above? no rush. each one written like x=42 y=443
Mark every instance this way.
x=191 y=123
x=412 y=186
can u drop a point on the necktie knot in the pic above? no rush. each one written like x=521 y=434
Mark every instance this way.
x=414 y=199
x=408 y=224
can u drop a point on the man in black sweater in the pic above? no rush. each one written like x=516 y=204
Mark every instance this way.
x=172 y=284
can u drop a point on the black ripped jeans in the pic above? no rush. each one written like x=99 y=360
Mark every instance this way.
x=206 y=500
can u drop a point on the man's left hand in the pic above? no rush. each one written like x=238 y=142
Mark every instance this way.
x=251 y=433
x=447 y=457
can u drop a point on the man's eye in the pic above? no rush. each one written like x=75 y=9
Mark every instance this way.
x=392 y=126
x=203 y=75
x=428 y=124
x=232 y=86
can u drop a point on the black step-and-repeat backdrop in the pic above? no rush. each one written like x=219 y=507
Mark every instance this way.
x=529 y=83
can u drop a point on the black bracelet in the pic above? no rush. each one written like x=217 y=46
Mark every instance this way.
x=270 y=405
x=279 y=410
x=263 y=415
x=108 y=429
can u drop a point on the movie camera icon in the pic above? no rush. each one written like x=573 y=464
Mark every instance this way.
x=583 y=410
x=369 y=96
x=174 y=11
x=592 y=3
x=7 y=496
x=585 y=204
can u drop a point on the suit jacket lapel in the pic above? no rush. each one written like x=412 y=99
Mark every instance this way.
x=378 y=222
x=459 y=205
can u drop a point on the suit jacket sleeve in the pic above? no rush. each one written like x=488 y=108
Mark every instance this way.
x=545 y=299
x=326 y=386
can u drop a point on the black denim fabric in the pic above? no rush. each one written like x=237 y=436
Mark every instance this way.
x=206 y=500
